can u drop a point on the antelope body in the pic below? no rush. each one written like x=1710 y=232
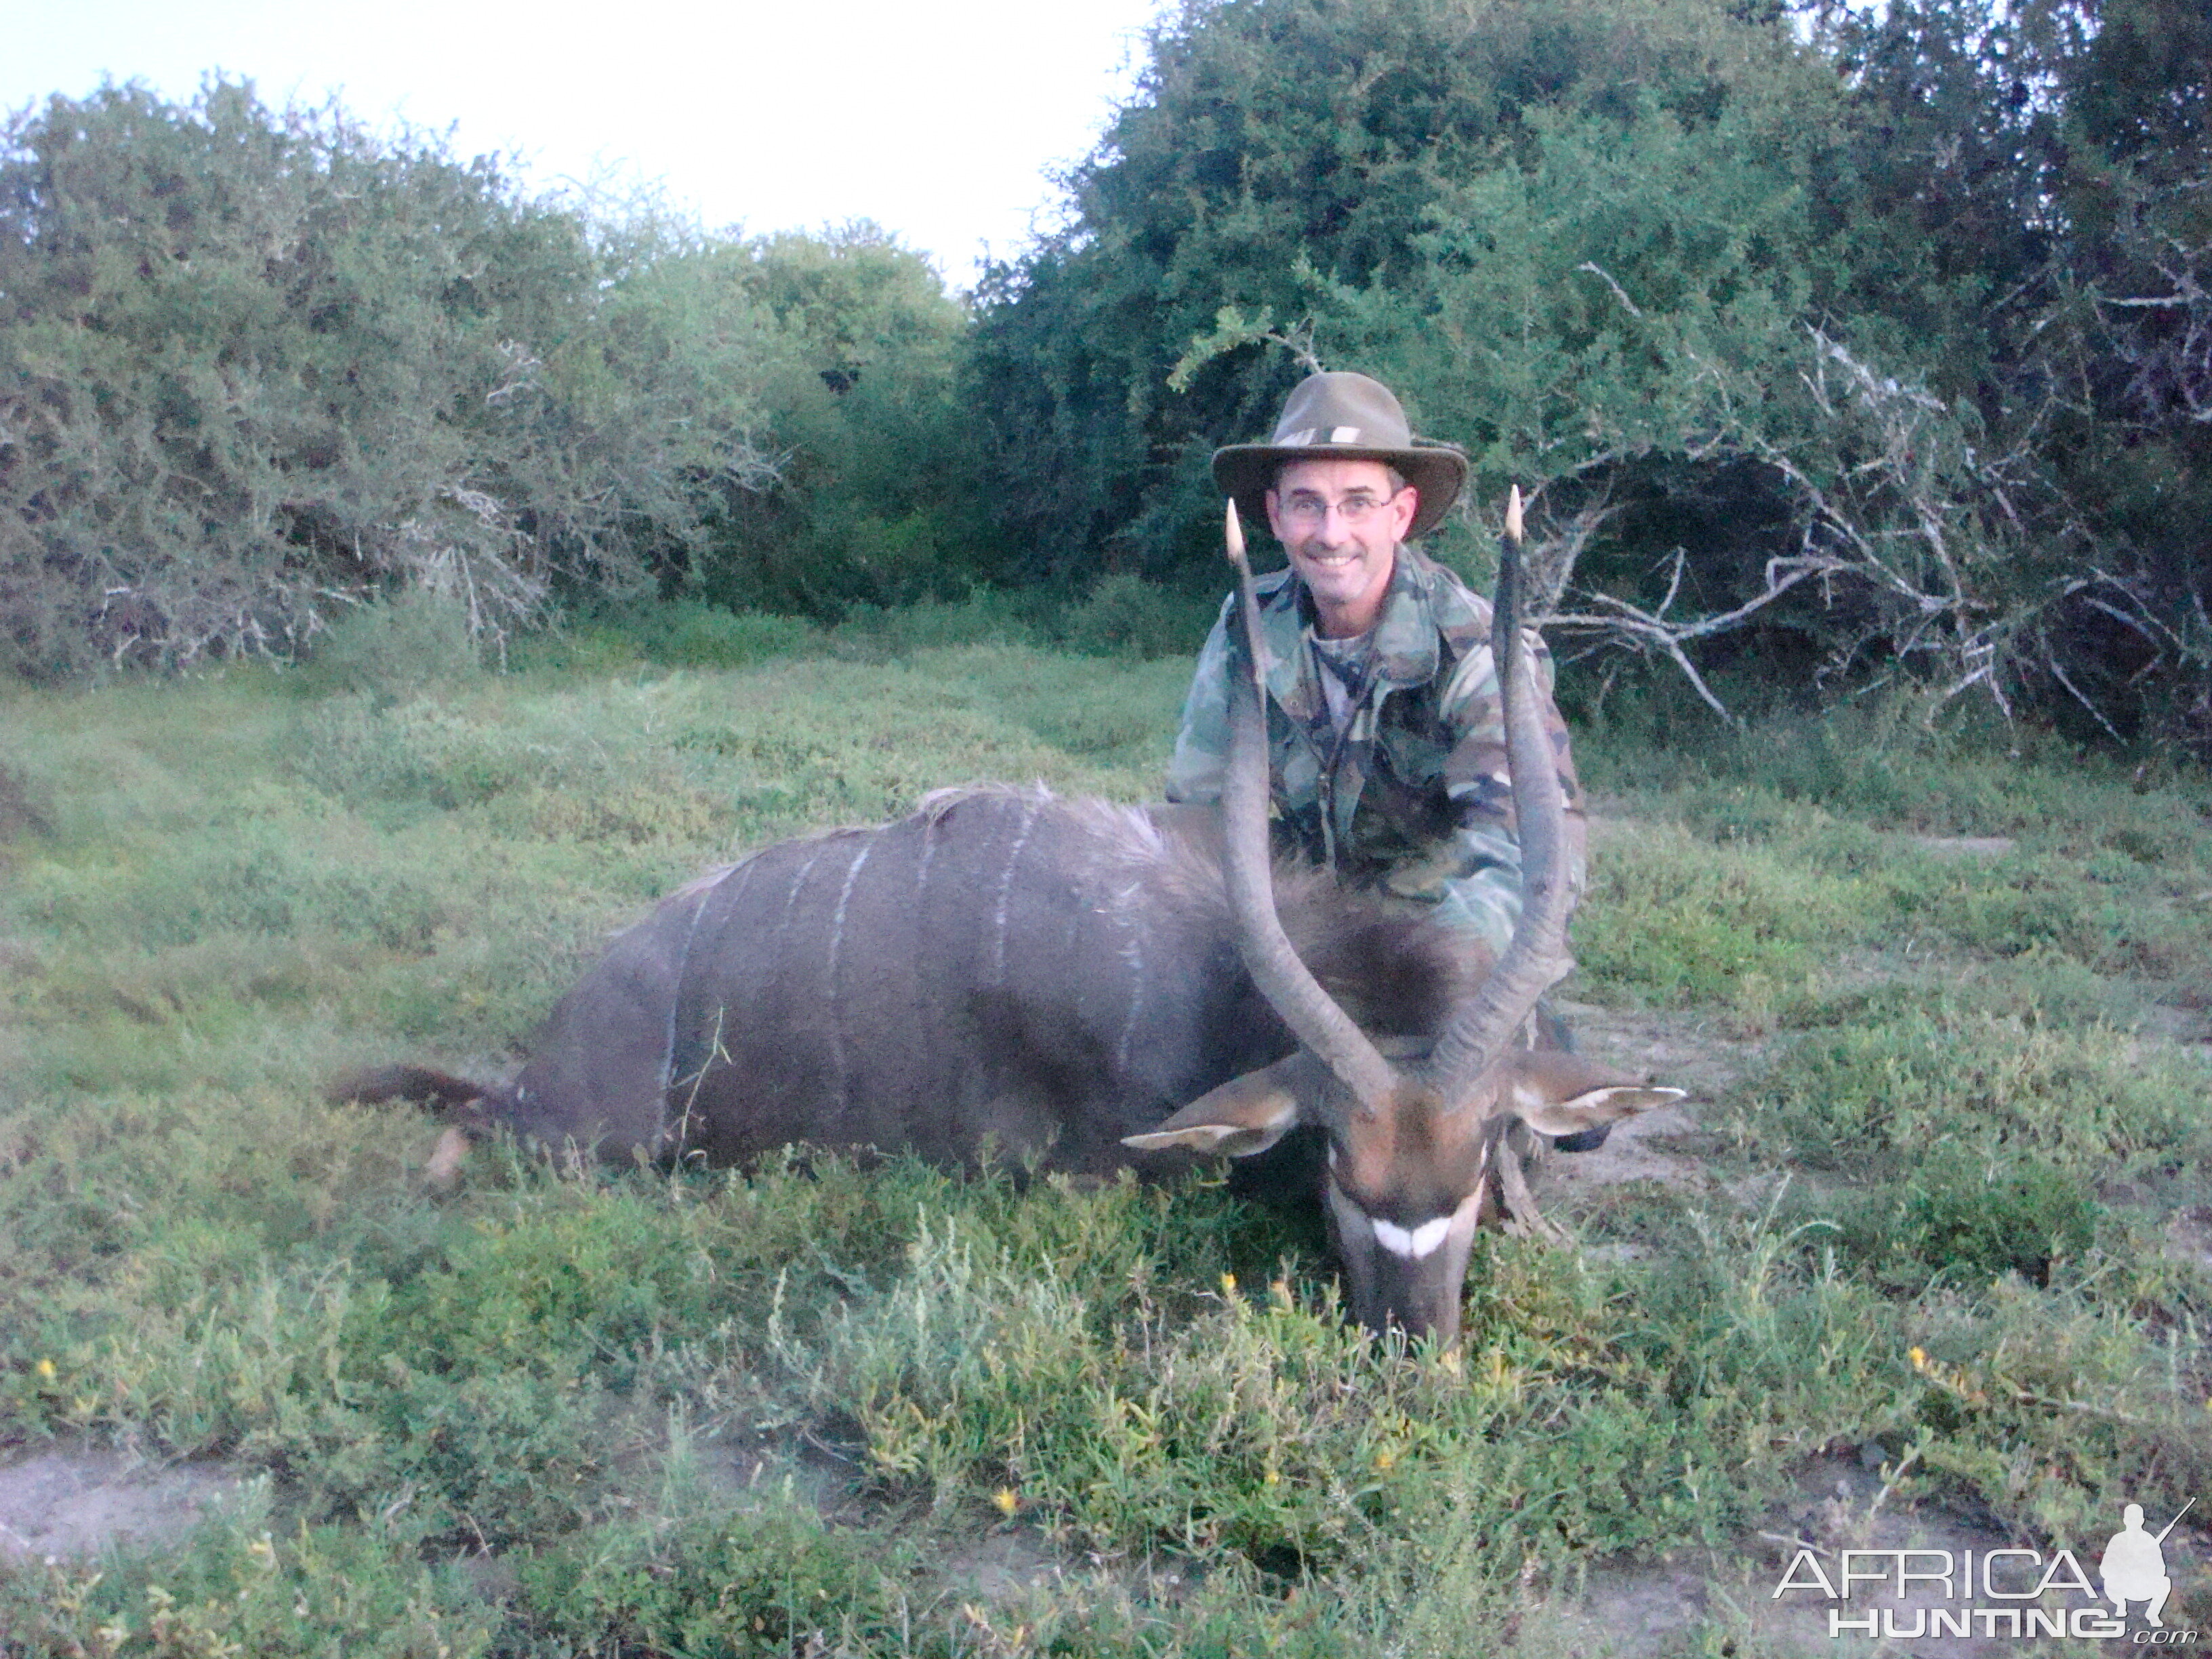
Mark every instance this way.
x=1002 y=972
x=1087 y=988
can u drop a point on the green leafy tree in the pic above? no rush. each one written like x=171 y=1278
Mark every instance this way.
x=2039 y=182
x=1285 y=161
x=872 y=503
x=255 y=365
x=1872 y=348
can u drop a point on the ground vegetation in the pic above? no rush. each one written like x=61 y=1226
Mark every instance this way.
x=1935 y=1222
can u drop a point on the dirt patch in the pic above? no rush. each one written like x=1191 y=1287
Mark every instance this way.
x=1671 y=1145
x=1664 y=1144
x=1690 y=1051
x=823 y=1465
x=79 y=1500
x=2189 y=1237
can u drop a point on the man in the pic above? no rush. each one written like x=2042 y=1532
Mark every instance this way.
x=1386 y=741
x=2134 y=1567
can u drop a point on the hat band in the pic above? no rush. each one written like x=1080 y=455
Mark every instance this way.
x=1306 y=437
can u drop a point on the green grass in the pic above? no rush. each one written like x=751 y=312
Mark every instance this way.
x=818 y=1408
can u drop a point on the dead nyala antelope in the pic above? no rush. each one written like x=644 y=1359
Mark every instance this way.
x=1080 y=987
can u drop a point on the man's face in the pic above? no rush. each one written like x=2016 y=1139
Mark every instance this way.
x=1341 y=525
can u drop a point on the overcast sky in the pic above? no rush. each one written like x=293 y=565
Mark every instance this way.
x=939 y=121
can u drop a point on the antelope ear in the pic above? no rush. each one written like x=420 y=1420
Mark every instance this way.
x=1562 y=1094
x=1244 y=1115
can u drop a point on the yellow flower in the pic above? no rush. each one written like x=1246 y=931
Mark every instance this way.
x=46 y=1370
x=1229 y=1284
x=1006 y=1501
x=1918 y=1355
x=1385 y=1459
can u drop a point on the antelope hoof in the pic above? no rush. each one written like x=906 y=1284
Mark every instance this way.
x=444 y=1168
x=1533 y=1223
x=1523 y=1219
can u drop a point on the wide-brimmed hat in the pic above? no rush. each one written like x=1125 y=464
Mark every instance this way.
x=1339 y=417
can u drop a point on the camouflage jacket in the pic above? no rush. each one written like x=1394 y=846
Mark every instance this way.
x=1412 y=796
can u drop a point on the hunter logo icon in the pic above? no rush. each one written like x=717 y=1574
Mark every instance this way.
x=2134 y=1564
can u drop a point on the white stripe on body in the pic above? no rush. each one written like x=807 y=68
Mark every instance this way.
x=706 y=890
x=840 y=1070
x=1005 y=893
x=1132 y=953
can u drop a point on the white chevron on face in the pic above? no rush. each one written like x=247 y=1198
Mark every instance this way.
x=1421 y=1242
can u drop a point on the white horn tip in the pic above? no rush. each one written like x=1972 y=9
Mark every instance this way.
x=1233 y=530
x=1512 y=513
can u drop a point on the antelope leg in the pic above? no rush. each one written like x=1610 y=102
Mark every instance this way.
x=1523 y=1219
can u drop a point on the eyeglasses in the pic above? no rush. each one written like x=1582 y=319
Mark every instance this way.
x=1309 y=511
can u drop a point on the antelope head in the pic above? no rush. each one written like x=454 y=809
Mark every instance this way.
x=1417 y=1153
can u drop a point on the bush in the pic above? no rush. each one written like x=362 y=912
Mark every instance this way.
x=1964 y=1218
x=985 y=616
x=252 y=359
x=1125 y=616
x=689 y=635
x=1886 y=1093
x=873 y=500
x=392 y=648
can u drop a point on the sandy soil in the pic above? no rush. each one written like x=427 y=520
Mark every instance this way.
x=78 y=1499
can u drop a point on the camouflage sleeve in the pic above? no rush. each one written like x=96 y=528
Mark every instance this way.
x=1201 y=751
x=1475 y=879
